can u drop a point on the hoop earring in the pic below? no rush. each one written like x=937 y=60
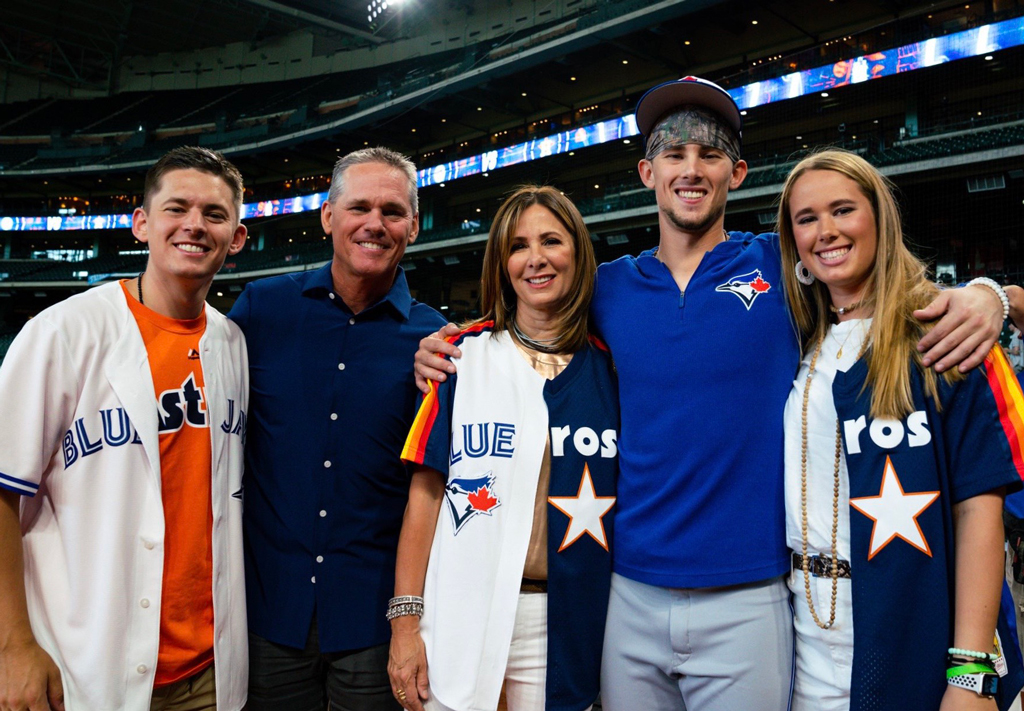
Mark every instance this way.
x=803 y=274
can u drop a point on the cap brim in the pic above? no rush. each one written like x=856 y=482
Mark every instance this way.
x=665 y=97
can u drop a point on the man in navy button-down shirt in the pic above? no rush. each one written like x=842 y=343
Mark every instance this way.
x=330 y=357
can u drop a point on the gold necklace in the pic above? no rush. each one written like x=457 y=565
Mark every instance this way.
x=842 y=345
x=805 y=565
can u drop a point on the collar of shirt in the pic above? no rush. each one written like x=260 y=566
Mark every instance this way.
x=648 y=264
x=321 y=284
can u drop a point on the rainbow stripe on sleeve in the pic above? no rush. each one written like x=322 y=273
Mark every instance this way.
x=416 y=443
x=1010 y=402
x=415 y=448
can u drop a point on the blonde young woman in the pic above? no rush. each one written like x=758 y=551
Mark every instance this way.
x=894 y=475
x=503 y=564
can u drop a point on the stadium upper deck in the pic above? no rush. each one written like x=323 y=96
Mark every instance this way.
x=938 y=131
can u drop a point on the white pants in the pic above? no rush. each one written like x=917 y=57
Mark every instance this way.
x=824 y=658
x=717 y=649
x=526 y=672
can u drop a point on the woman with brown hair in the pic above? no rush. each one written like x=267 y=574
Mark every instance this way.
x=503 y=561
x=894 y=475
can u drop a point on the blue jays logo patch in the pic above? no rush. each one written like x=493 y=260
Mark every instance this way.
x=467 y=498
x=746 y=287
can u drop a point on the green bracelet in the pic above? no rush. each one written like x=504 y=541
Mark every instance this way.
x=976 y=668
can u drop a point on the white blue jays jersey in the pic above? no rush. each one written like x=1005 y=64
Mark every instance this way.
x=82 y=446
x=485 y=430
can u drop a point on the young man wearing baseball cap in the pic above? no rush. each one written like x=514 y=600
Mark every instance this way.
x=706 y=353
x=699 y=615
x=121 y=581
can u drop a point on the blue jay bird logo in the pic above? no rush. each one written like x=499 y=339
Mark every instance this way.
x=467 y=498
x=746 y=287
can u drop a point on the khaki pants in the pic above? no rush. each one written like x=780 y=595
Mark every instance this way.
x=197 y=693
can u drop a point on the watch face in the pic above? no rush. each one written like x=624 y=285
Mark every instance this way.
x=989 y=684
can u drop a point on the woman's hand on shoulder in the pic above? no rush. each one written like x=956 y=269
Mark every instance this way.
x=957 y=699
x=431 y=361
x=407 y=664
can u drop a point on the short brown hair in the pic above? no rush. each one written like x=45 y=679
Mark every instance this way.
x=195 y=158
x=498 y=298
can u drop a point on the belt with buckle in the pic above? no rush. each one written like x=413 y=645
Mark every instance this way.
x=529 y=585
x=820 y=566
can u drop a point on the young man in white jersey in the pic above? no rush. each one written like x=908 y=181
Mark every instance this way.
x=121 y=582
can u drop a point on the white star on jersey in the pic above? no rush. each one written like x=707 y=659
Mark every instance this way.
x=895 y=513
x=585 y=511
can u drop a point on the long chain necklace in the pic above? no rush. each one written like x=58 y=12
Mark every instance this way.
x=544 y=346
x=805 y=565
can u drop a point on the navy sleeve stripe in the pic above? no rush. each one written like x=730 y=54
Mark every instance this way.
x=18 y=485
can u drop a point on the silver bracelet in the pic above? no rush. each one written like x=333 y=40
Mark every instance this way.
x=994 y=286
x=404 y=609
x=403 y=599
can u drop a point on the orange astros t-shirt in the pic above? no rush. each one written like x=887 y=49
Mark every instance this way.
x=186 y=605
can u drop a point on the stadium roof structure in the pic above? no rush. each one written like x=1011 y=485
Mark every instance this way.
x=82 y=42
x=442 y=97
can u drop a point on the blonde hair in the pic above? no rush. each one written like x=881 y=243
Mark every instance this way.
x=497 y=297
x=896 y=286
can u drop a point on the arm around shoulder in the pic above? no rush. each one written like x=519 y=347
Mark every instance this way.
x=969 y=323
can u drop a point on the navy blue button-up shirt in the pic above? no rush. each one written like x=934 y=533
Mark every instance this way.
x=332 y=399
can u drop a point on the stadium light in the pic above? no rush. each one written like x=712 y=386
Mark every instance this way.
x=375 y=12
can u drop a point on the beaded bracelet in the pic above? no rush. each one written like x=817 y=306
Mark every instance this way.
x=994 y=286
x=970 y=654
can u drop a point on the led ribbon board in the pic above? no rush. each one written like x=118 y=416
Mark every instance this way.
x=919 y=55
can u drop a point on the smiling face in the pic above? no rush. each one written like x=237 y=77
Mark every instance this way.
x=835 y=232
x=541 y=263
x=190 y=224
x=692 y=184
x=371 y=223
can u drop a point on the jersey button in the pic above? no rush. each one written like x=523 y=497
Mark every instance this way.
x=313 y=580
x=351 y=322
x=319 y=559
x=144 y=602
x=334 y=415
x=327 y=464
x=341 y=366
x=323 y=513
x=142 y=669
x=331 y=296
x=148 y=545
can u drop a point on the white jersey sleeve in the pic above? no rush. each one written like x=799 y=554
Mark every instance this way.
x=39 y=391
